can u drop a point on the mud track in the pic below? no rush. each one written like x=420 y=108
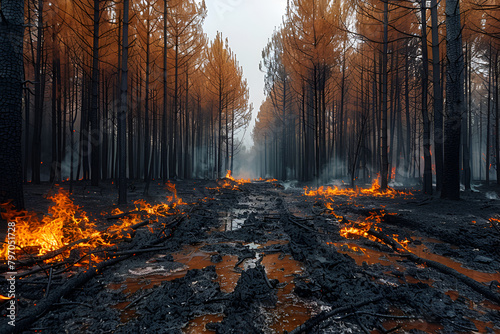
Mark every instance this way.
x=264 y=259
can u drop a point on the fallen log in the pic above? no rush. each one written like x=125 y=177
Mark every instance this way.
x=124 y=214
x=473 y=284
x=24 y=321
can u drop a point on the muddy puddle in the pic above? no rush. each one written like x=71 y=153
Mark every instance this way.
x=290 y=310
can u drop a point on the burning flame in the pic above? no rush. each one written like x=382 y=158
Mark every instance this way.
x=229 y=182
x=4 y=298
x=360 y=229
x=239 y=181
x=374 y=190
x=66 y=223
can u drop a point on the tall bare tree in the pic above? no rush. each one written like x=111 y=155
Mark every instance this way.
x=11 y=92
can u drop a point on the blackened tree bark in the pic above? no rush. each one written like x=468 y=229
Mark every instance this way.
x=454 y=102
x=36 y=148
x=164 y=150
x=11 y=91
x=94 y=126
x=384 y=170
x=122 y=115
x=427 y=184
x=438 y=97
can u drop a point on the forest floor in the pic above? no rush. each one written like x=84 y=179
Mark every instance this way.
x=262 y=257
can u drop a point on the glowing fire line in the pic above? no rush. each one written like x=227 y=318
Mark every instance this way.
x=374 y=190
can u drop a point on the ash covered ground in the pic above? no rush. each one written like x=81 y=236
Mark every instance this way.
x=262 y=257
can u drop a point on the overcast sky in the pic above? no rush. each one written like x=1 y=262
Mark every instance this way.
x=248 y=24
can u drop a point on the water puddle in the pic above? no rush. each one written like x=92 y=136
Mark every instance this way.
x=290 y=311
x=197 y=325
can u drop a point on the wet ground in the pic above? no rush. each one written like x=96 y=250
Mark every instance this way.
x=261 y=257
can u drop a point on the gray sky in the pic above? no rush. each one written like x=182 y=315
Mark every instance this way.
x=248 y=24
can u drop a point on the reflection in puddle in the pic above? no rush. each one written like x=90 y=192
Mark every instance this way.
x=290 y=311
x=194 y=258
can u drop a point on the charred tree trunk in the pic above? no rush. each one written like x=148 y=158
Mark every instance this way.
x=454 y=102
x=39 y=92
x=94 y=125
x=438 y=97
x=11 y=93
x=122 y=116
x=164 y=149
x=384 y=168
x=427 y=182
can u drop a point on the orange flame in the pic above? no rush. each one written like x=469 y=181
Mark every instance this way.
x=4 y=298
x=374 y=190
x=66 y=223
x=360 y=229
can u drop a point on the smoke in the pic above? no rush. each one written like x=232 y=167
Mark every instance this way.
x=492 y=195
x=289 y=184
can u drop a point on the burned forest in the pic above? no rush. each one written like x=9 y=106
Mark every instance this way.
x=221 y=166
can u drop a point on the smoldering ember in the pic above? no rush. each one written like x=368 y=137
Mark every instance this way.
x=222 y=166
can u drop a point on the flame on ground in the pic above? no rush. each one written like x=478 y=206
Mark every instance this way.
x=360 y=229
x=239 y=181
x=374 y=190
x=66 y=223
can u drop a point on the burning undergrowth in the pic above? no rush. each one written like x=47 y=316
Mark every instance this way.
x=68 y=226
x=375 y=190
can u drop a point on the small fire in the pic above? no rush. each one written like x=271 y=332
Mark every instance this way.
x=229 y=182
x=4 y=298
x=360 y=229
x=329 y=206
x=239 y=181
x=403 y=243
